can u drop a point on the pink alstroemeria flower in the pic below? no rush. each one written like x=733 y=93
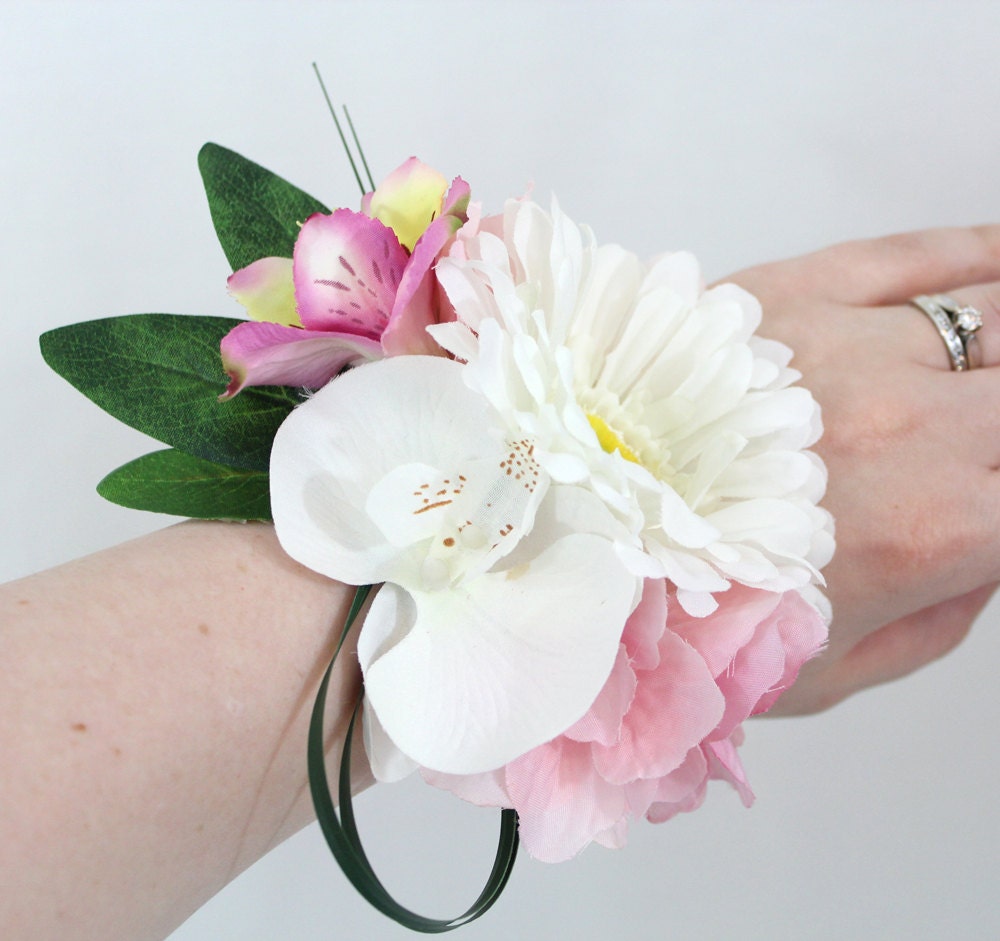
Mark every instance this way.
x=667 y=721
x=359 y=286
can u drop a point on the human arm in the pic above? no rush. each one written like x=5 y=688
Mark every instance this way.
x=153 y=721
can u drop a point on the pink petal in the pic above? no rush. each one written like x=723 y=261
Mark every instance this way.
x=724 y=764
x=803 y=633
x=675 y=707
x=614 y=838
x=268 y=354
x=721 y=634
x=562 y=802
x=646 y=625
x=756 y=668
x=347 y=269
x=685 y=780
x=456 y=200
x=418 y=298
x=265 y=288
x=682 y=791
x=602 y=722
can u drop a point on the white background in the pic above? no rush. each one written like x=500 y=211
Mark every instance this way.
x=742 y=131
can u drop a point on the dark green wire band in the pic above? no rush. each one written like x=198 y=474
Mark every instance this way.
x=342 y=834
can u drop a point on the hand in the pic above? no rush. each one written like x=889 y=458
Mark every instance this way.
x=912 y=447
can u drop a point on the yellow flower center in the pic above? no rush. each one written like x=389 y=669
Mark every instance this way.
x=610 y=439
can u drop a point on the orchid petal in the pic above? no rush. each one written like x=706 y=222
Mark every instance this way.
x=269 y=354
x=266 y=289
x=347 y=269
x=387 y=763
x=324 y=469
x=499 y=664
x=407 y=200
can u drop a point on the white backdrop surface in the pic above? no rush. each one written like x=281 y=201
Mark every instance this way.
x=742 y=131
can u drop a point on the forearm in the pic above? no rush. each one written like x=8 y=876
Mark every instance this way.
x=153 y=719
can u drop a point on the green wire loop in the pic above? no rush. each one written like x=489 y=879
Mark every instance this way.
x=341 y=831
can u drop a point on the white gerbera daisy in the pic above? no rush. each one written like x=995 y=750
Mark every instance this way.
x=652 y=392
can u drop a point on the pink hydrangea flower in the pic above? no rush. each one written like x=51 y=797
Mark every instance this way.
x=667 y=721
x=358 y=287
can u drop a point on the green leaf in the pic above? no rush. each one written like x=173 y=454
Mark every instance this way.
x=256 y=213
x=162 y=374
x=177 y=483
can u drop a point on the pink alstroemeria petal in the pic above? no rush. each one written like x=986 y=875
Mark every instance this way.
x=347 y=269
x=456 y=200
x=407 y=200
x=265 y=288
x=269 y=354
x=419 y=298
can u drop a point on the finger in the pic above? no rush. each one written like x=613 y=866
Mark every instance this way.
x=889 y=270
x=926 y=345
x=906 y=645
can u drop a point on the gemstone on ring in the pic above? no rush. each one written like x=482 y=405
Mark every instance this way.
x=967 y=320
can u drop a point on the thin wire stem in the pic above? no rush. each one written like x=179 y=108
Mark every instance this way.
x=357 y=143
x=340 y=131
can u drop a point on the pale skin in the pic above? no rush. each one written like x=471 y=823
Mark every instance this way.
x=911 y=446
x=156 y=696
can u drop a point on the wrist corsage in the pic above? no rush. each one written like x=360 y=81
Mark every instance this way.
x=576 y=489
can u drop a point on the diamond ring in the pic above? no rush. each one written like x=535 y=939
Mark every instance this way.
x=958 y=324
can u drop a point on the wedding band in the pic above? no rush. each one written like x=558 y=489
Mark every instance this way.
x=957 y=324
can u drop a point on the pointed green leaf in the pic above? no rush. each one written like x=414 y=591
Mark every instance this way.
x=182 y=485
x=162 y=374
x=256 y=213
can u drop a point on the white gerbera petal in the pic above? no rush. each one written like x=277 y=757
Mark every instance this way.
x=653 y=393
x=604 y=310
x=682 y=524
x=681 y=272
x=696 y=603
x=503 y=662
